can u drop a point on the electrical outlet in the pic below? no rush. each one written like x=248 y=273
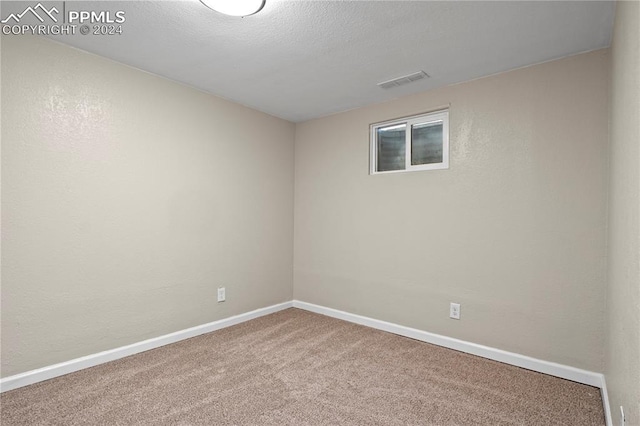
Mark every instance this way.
x=454 y=311
x=622 y=419
x=221 y=294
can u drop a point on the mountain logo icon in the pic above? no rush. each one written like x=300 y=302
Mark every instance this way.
x=34 y=11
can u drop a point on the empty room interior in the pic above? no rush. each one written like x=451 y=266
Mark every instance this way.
x=320 y=212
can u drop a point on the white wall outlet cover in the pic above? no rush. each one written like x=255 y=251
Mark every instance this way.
x=221 y=294
x=454 y=311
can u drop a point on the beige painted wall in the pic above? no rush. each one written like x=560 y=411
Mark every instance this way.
x=127 y=200
x=622 y=353
x=514 y=230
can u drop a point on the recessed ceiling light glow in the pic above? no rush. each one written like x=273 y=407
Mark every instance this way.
x=235 y=7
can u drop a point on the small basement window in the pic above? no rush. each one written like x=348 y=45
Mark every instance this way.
x=410 y=144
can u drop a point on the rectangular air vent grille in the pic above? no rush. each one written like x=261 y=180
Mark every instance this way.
x=406 y=79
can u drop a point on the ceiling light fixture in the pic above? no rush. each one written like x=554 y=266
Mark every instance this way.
x=235 y=7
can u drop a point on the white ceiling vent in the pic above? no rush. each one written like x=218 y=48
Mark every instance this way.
x=405 y=79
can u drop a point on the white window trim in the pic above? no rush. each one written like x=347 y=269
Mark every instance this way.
x=441 y=115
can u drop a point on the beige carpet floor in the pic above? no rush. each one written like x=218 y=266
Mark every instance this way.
x=300 y=368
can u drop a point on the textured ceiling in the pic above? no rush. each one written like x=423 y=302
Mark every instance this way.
x=304 y=59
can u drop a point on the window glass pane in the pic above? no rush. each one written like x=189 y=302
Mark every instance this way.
x=391 y=147
x=426 y=143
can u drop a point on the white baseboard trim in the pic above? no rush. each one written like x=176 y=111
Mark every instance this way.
x=605 y=402
x=49 y=372
x=546 y=367
x=558 y=370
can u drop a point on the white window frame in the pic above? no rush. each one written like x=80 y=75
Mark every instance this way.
x=431 y=117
